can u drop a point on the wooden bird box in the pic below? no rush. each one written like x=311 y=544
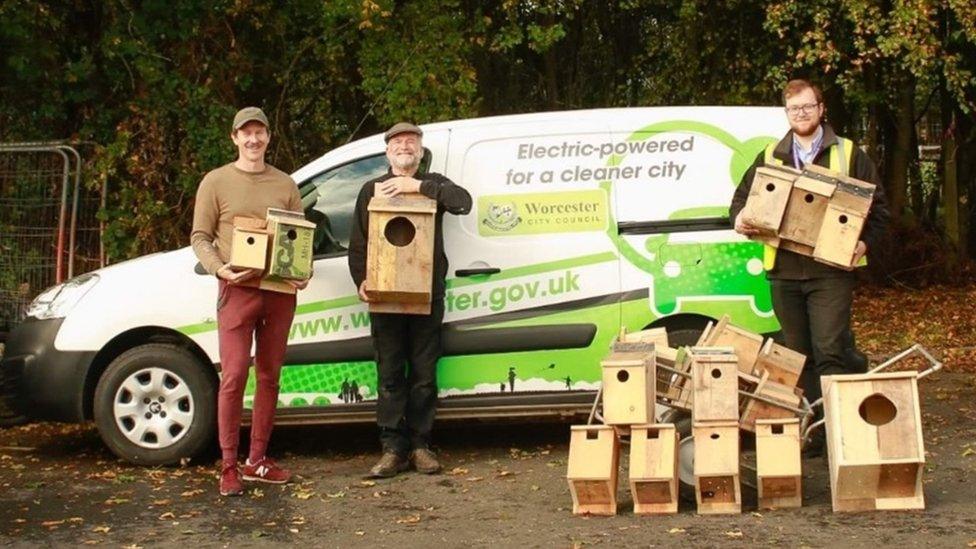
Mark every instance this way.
x=292 y=239
x=716 y=469
x=400 y=253
x=745 y=343
x=594 y=453
x=654 y=468
x=805 y=210
x=754 y=409
x=778 y=473
x=629 y=388
x=780 y=364
x=249 y=249
x=657 y=336
x=715 y=382
x=874 y=441
x=768 y=196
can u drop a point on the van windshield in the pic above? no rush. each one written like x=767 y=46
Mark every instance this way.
x=330 y=198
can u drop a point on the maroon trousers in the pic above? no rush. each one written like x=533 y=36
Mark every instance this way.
x=246 y=314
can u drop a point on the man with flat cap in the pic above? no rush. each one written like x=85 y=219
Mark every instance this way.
x=246 y=187
x=407 y=346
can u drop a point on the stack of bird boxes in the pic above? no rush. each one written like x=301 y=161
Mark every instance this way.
x=816 y=212
x=629 y=402
x=279 y=245
x=766 y=369
x=715 y=428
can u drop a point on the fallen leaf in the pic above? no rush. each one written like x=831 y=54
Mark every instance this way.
x=102 y=529
x=676 y=531
x=734 y=534
x=339 y=494
x=411 y=519
x=457 y=471
x=475 y=479
x=969 y=452
x=360 y=533
x=167 y=516
x=367 y=483
x=52 y=522
x=191 y=493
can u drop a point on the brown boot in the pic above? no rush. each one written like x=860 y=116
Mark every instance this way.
x=425 y=461
x=389 y=465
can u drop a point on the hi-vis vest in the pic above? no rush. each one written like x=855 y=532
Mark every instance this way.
x=839 y=161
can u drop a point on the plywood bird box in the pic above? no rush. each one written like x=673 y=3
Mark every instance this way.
x=806 y=208
x=874 y=441
x=755 y=409
x=746 y=344
x=594 y=454
x=249 y=249
x=400 y=253
x=716 y=469
x=768 y=197
x=780 y=364
x=715 y=382
x=654 y=468
x=778 y=473
x=629 y=388
x=292 y=239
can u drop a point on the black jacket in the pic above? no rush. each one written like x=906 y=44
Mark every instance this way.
x=450 y=198
x=790 y=265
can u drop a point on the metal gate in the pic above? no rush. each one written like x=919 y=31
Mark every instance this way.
x=49 y=227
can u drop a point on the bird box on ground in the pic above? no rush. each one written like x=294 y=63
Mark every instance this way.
x=654 y=468
x=874 y=441
x=778 y=473
x=594 y=453
x=716 y=469
x=400 y=253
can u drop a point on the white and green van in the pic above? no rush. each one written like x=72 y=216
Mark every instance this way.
x=583 y=222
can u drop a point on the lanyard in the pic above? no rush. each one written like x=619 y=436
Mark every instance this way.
x=814 y=149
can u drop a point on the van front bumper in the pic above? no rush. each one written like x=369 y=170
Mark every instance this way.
x=39 y=381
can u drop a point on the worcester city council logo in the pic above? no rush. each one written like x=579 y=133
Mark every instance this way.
x=502 y=216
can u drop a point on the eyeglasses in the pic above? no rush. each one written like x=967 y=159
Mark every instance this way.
x=807 y=109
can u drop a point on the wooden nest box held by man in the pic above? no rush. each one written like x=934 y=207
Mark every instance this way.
x=400 y=254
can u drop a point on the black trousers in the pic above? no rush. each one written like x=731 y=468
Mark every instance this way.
x=815 y=315
x=407 y=350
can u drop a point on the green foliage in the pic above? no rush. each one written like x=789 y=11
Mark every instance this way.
x=150 y=86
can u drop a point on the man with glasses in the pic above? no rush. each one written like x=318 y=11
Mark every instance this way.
x=812 y=300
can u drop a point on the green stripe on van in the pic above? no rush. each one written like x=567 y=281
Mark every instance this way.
x=319 y=306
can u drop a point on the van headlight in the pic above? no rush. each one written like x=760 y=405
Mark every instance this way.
x=57 y=301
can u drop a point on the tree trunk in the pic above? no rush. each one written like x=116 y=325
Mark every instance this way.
x=899 y=156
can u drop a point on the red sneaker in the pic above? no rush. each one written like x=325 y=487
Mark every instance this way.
x=265 y=470
x=230 y=481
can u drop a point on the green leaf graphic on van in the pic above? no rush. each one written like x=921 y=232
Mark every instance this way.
x=689 y=270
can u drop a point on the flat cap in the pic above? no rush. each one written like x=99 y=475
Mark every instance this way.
x=401 y=127
x=249 y=114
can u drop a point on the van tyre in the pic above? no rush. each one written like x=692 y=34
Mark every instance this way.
x=156 y=404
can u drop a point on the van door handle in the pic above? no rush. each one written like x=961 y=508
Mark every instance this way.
x=476 y=272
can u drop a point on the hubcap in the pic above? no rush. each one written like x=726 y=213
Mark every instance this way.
x=153 y=408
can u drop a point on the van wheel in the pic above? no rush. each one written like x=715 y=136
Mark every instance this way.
x=156 y=404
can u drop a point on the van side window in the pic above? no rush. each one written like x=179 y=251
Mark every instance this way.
x=329 y=199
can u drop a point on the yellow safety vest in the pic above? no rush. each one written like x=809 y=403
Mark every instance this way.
x=839 y=161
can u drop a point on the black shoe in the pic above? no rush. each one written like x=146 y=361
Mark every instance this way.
x=390 y=465
x=425 y=461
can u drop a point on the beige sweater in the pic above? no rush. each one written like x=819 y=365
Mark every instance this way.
x=228 y=192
